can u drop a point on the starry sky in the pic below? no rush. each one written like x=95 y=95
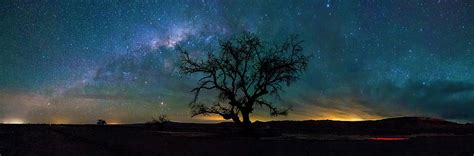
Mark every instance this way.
x=78 y=61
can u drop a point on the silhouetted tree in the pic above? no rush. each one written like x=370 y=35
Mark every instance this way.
x=244 y=72
x=101 y=122
x=159 y=123
x=161 y=119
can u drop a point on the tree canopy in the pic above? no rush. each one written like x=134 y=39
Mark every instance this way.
x=245 y=72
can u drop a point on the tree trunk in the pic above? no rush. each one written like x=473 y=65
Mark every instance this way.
x=236 y=120
x=246 y=120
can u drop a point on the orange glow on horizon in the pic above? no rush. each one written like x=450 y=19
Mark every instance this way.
x=346 y=117
x=211 y=118
x=324 y=116
x=60 y=120
x=114 y=122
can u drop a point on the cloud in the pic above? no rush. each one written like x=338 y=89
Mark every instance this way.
x=446 y=99
x=452 y=100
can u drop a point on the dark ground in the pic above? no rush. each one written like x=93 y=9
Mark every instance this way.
x=424 y=137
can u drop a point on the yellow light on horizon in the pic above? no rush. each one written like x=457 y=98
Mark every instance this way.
x=347 y=119
x=338 y=116
x=114 y=122
x=13 y=121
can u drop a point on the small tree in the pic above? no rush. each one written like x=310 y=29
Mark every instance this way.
x=101 y=122
x=159 y=123
x=161 y=119
x=244 y=72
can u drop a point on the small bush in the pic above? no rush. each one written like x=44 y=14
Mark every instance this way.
x=161 y=119
x=101 y=122
x=159 y=123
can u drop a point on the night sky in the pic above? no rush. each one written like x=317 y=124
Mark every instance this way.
x=78 y=61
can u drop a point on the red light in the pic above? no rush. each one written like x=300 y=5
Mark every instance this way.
x=388 y=138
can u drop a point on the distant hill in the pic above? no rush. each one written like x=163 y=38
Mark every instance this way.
x=421 y=122
x=399 y=125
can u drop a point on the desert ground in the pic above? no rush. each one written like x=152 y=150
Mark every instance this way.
x=401 y=136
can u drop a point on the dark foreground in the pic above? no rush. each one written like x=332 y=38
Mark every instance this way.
x=337 y=138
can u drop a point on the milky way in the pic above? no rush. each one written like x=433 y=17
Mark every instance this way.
x=75 y=62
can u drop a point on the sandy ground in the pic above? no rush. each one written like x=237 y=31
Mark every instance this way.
x=117 y=140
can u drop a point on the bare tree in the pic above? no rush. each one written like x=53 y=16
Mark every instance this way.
x=244 y=72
